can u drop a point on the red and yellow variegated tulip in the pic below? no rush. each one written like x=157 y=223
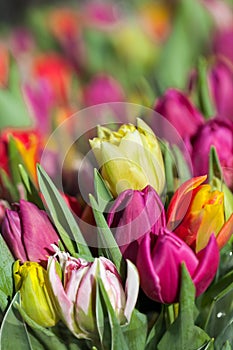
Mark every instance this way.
x=196 y=211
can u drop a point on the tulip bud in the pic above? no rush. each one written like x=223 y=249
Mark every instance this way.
x=159 y=264
x=103 y=89
x=179 y=111
x=3 y=206
x=134 y=214
x=36 y=295
x=217 y=133
x=129 y=158
x=74 y=286
x=196 y=211
x=29 y=233
x=223 y=42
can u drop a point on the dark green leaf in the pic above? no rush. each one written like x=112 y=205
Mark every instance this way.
x=62 y=217
x=214 y=165
x=183 y=334
x=103 y=195
x=182 y=166
x=156 y=332
x=135 y=332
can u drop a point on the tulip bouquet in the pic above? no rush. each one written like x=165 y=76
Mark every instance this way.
x=146 y=265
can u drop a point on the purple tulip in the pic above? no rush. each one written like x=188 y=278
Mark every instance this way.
x=134 y=214
x=220 y=80
x=159 y=264
x=180 y=112
x=216 y=133
x=74 y=281
x=29 y=233
x=223 y=43
x=103 y=89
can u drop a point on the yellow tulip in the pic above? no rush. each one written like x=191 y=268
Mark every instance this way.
x=130 y=158
x=35 y=292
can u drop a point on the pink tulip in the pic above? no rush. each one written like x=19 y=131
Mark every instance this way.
x=223 y=44
x=159 y=264
x=134 y=214
x=29 y=233
x=73 y=282
x=217 y=133
x=179 y=111
x=103 y=89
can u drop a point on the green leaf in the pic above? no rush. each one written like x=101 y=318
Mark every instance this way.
x=183 y=334
x=135 y=332
x=118 y=341
x=226 y=346
x=14 y=160
x=62 y=217
x=156 y=332
x=6 y=280
x=108 y=244
x=205 y=103
x=9 y=186
x=32 y=193
x=103 y=195
x=215 y=168
x=182 y=166
x=13 y=333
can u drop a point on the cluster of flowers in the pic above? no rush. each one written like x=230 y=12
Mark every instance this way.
x=132 y=272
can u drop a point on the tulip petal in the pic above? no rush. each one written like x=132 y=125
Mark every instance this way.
x=180 y=201
x=207 y=267
x=64 y=305
x=131 y=289
x=225 y=233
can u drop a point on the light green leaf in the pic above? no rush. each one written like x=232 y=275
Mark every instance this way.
x=103 y=195
x=215 y=168
x=108 y=244
x=135 y=332
x=62 y=217
x=13 y=333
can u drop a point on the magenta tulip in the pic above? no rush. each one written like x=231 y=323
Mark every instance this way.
x=179 y=111
x=217 y=133
x=29 y=233
x=103 y=89
x=159 y=264
x=223 y=44
x=134 y=214
x=220 y=80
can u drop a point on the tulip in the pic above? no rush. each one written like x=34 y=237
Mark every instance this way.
x=196 y=212
x=3 y=155
x=3 y=206
x=223 y=43
x=29 y=233
x=36 y=295
x=129 y=158
x=179 y=111
x=159 y=265
x=220 y=79
x=134 y=214
x=101 y=14
x=103 y=89
x=4 y=66
x=74 y=283
x=217 y=133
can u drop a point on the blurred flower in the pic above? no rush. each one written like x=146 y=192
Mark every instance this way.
x=3 y=206
x=220 y=11
x=134 y=214
x=101 y=14
x=31 y=280
x=4 y=66
x=41 y=100
x=21 y=41
x=180 y=112
x=3 y=155
x=196 y=212
x=56 y=70
x=220 y=79
x=102 y=89
x=130 y=158
x=156 y=20
x=223 y=44
x=74 y=282
x=29 y=233
x=217 y=133
x=159 y=264
x=64 y=23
